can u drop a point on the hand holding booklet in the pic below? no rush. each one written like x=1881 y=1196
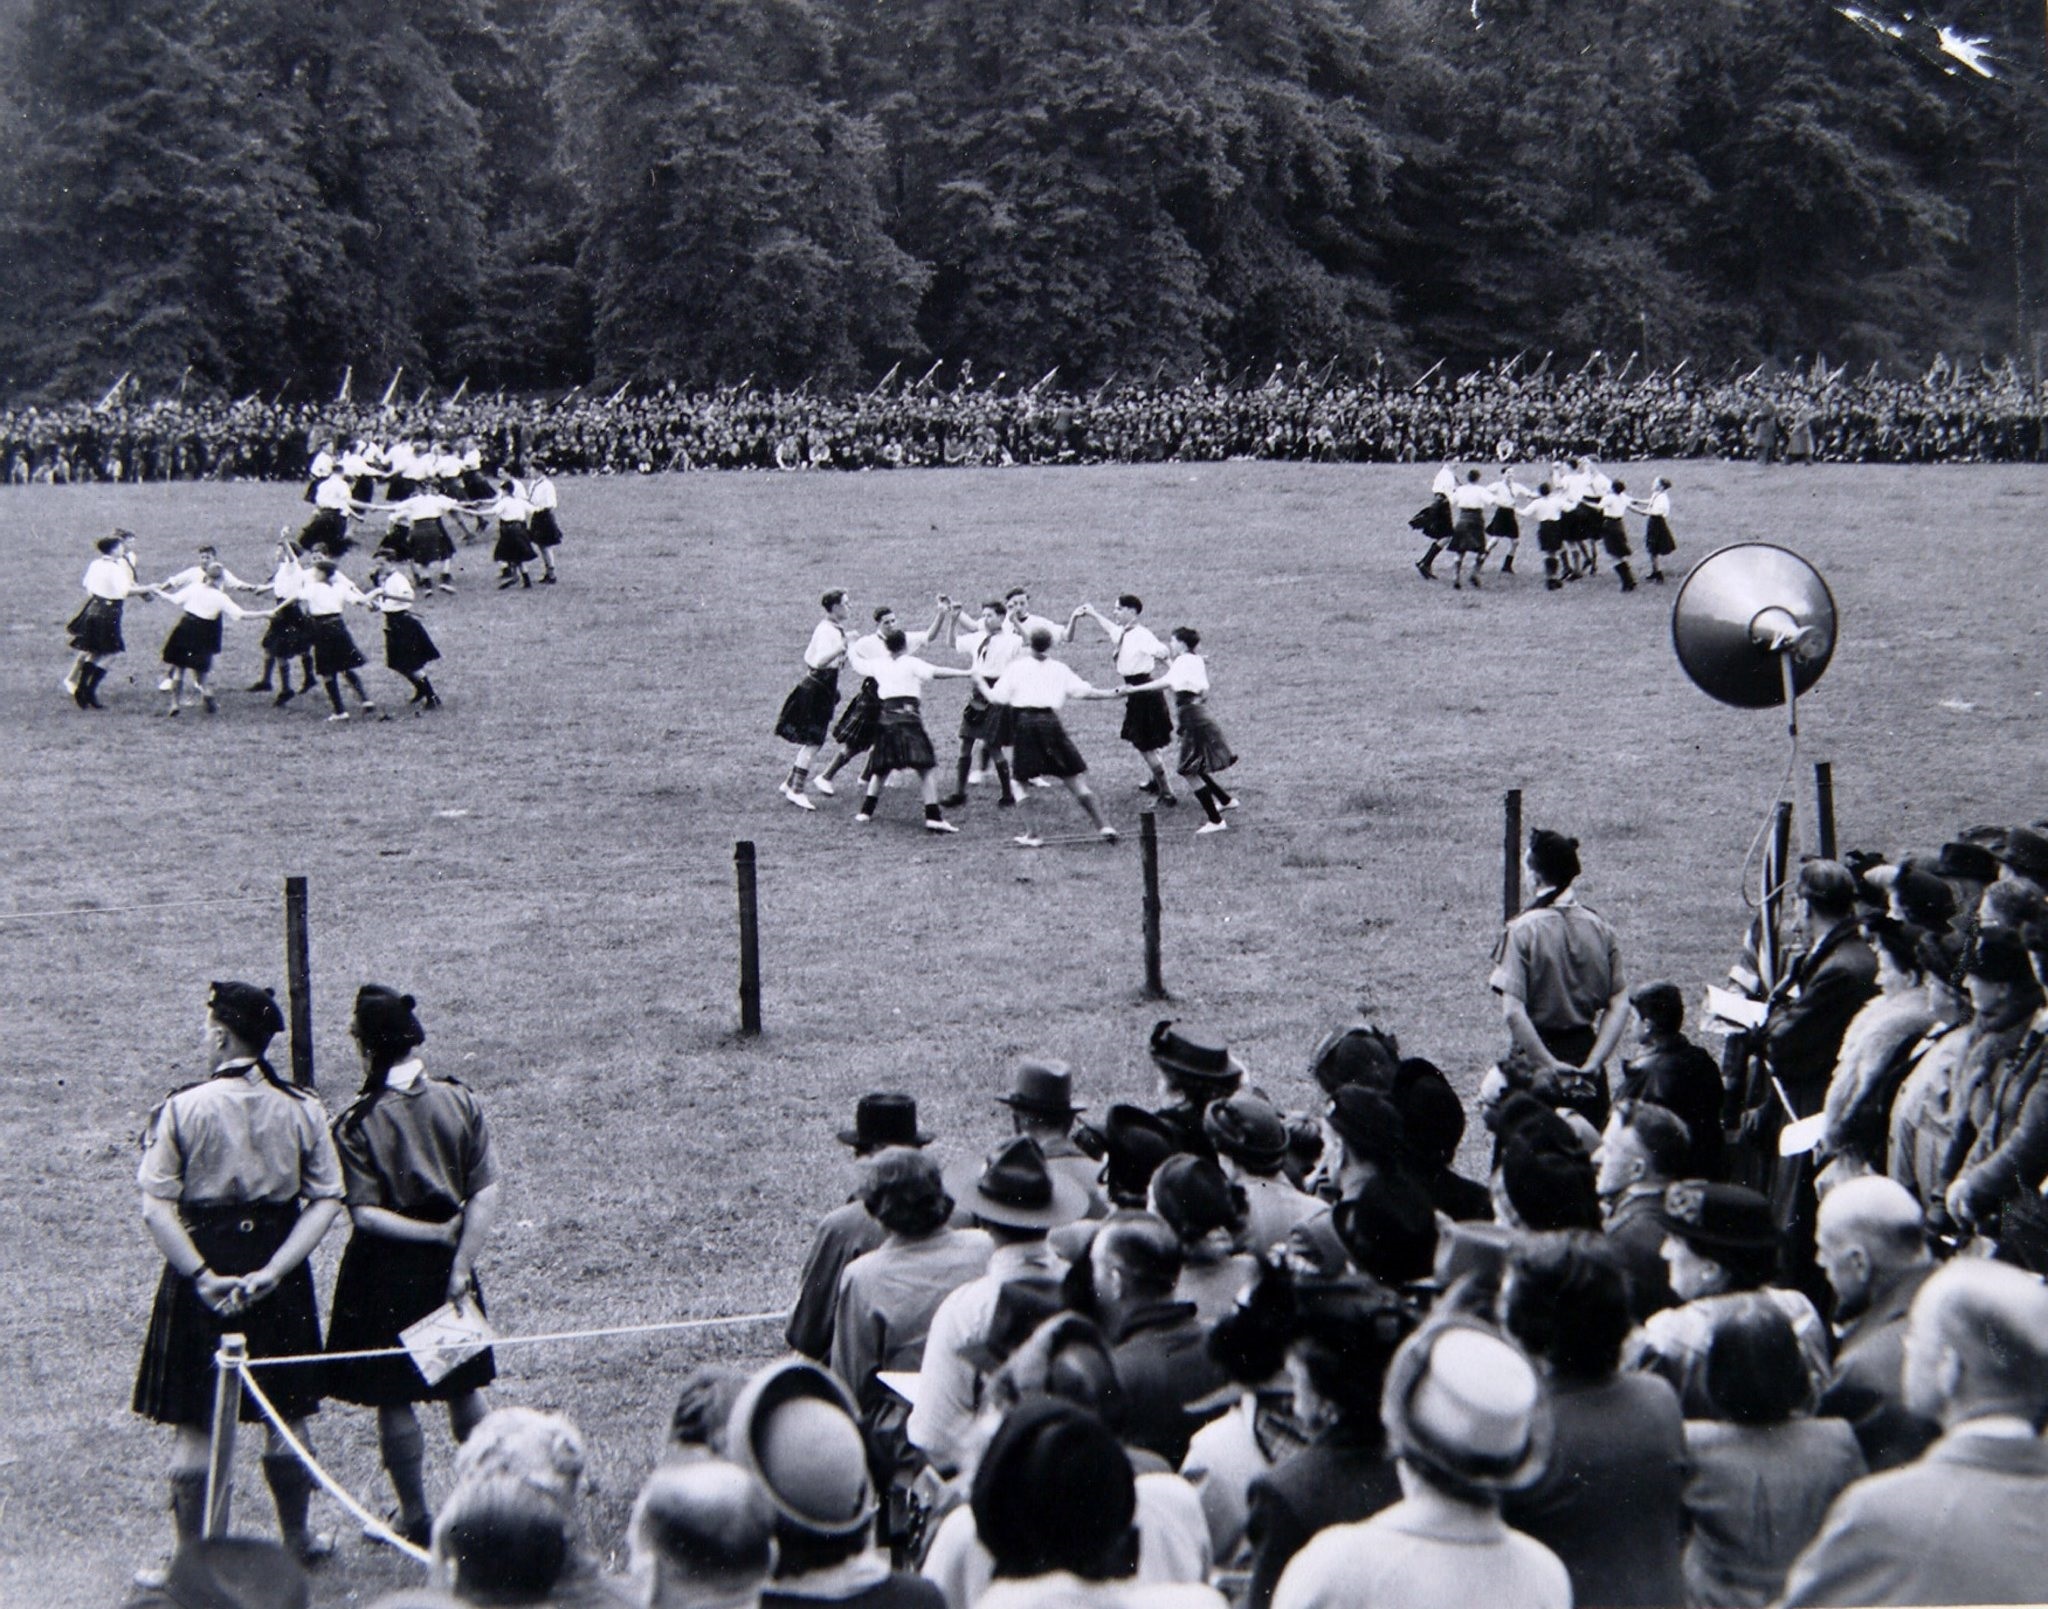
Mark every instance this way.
x=1732 y=1007
x=446 y=1339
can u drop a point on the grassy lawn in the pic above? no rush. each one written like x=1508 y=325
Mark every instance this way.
x=547 y=865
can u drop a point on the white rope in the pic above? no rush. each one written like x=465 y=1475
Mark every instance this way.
x=334 y=1489
x=119 y=910
x=529 y=1340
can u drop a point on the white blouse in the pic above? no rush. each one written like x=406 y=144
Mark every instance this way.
x=1137 y=651
x=903 y=676
x=1188 y=674
x=828 y=644
x=1032 y=683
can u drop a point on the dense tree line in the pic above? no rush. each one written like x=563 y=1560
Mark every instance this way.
x=249 y=196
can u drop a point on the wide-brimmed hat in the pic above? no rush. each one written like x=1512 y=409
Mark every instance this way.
x=1463 y=1403
x=1924 y=898
x=1191 y=1053
x=2026 y=852
x=794 y=1430
x=1712 y=1218
x=1044 y=1088
x=884 y=1118
x=1014 y=1188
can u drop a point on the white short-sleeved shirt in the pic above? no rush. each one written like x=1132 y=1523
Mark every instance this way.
x=1549 y=509
x=1032 y=683
x=512 y=507
x=542 y=491
x=1188 y=674
x=394 y=594
x=110 y=578
x=205 y=602
x=322 y=466
x=355 y=465
x=318 y=597
x=332 y=493
x=1137 y=651
x=991 y=651
x=1471 y=495
x=422 y=506
x=902 y=676
x=1613 y=504
x=193 y=574
x=866 y=653
x=1030 y=623
x=827 y=644
x=1445 y=483
x=1659 y=505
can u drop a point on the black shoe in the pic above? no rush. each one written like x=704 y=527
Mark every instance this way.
x=1422 y=569
x=81 y=695
x=1006 y=802
x=283 y=699
x=508 y=581
x=953 y=801
x=548 y=580
x=1507 y=566
x=1169 y=799
x=525 y=580
x=433 y=702
x=1553 y=585
x=1475 y=583
x=258 y=687
x=1150 y=785
x=212 y=705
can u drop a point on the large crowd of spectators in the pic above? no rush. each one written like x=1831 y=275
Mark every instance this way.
x=1949 y=415
x=1759 y=1327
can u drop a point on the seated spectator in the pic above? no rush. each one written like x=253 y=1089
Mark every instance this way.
x=1609 y=1504
x=1251 y=1141
x=1134 y=1142
x=702 y=1537
x=1433 y=1119
x=880 y=1120
x=1967 y=1522
x=1763 y=1469
x=1465 y=1416
x=1170 y=1383
x=1362 y=1136
x=1207 y=1214
x=1636 y=1162
x=545 y=1451
x=1355 y=1054
x=501 y=1539
x=1676 y=1074
x=1041 y=1103
x=1196 y=1069
x=1873 y=1060
x=1343 y=1334
x=1873 y=1250
x=1721 y=1246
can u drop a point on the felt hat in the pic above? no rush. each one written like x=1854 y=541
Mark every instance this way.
x=1924 y=898
x=1368 y=1123
x=247 y=1012
x=884 y=1118
x=1998 y=955
x=1354 y=1054
x=1054 y=1491
x=1464 y=1404
x=1432 y=1116
x=1550 y=1189
x=1388 y=1229
x=794 y=1430
x=1714 y=1218
x=236 y=1572
x=1045 y=1088
x=1195 y=1198
x=1014 y=1188
x=2026 y=853
x=1971 y=862
x=1247 y=1128
x=1194 y=1055
x=1134 y=1143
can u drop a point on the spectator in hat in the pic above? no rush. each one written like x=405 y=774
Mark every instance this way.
x=1433 y=1121
x=1054 y=1502
x=2024 y=855
x=2007 y=1163
x=1873 y=1250
x=1017 y=1200
x=501 y=1540
x=1357 y=1053
x=1135 y=1142
x=546 y=1452
x=1342 y=1334
x=1195 y=1069
x=1171 y=1384
x=1363 y=1135
x=1922 y=899
x=793 y=1430
x=1967 y=1522
x=1609 y=1504
x=1467 y=1422
x=1041 y=1103
x=1763 y=1469
x=1545 y=1188
x=1968 y=869
x=1206 y=1213
x=1642 y=1151
x=2012 y=902
x=1557 y=970
x=1251 y=1142
x=1722 y=1251
x=702 y=1537
x=1389 y=1233
x=234 y=1572
x=1676 y=1074
x=1873 y=1060
x=880 y=1120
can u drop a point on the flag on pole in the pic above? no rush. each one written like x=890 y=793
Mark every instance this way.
x=348 y=380
x=391 y=390
x=113 y=392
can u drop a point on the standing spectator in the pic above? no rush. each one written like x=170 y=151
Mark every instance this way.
x=880 y=1120
x=1873 y=1250
x=1196 y=1069
x=703 y=1537
x=1041 y=1103
x=1168 y=1377
x=1642 y=1151
x=1997 y=1190
x=1251 y=1141
x=1677 y=1075
x=1873 y=1060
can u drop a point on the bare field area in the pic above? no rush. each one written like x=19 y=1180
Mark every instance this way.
x=546 y=863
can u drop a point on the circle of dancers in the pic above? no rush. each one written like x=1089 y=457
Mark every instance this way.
x=1011 y=725
x=430 y=496
x=1579 y=513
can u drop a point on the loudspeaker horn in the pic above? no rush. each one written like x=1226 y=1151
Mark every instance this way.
x=1745 y=614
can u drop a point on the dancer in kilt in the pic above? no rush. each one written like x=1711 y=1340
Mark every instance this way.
x=1469 y=503
x=333 y=504
x=901 y=742
x=289 y=636
x=407 y=647
x=985 y=726
x=1203 y=749
x=1035 y=688
x=1614 y=505
x=239 y=1183
x=336 y=658
x=514 y=549
x=860 y=721
x=806 y=717
x=1658 y=541
x=194 y=641
x=96 y=629
x=547 y=530
x=422 y=1193
x=1148 y=723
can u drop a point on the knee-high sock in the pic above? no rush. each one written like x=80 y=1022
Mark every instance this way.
x=333 y=694
x=188 y=1503
x=291 y=1491
x=403 y=1445
x=1206 y=794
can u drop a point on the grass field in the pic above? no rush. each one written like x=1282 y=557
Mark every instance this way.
x=547 y=865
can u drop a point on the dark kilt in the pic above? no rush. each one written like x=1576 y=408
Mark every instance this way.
x=397 y=543
x=901 y=742
x=806 y=716
x=96 y=629
x=977 y=719
x=547 y=530
x=476 y=486
x=1468 y=535
x=430 y=543
x=334 y=650
x=193 y=643
x=289 y=633
x=1148 y=723
x=327 y=530
x=385 y=1285
x=1434 y=522
x=407 y=647
x=1043 y=747
x=174 y=1386
x=1614 y=537
x=1203 y=750
x=398 y=488
x=1657 y=537
x=363 y=488
x=1582 y=522
x=514 y=545
x=1504 y=524
x=1550 y=535
x=855 y=728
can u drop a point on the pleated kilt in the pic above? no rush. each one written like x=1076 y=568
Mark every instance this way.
x=430 y=543
x=514 y=545
x=1468 y=534
x=855 y=728
x=547 y=530
x=806 y=716
x=977 y=719
x=334 y=650
x=1203 y=749
x=174 y=1385
x=327 y=530
x=1614 y=537
x=289 y=633
x=384 y=1286
x=398 y=488
x=901 y=742
x=1582 y=523
x=1148 y=722
x=363 y=488
x=407 y=647
x=96 y=629
x=1657 y=537
x=193 y=643
x=1043 y=747
x=1504 y=524
x=1550 y=535
x=397 y=543
x=476 y=486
